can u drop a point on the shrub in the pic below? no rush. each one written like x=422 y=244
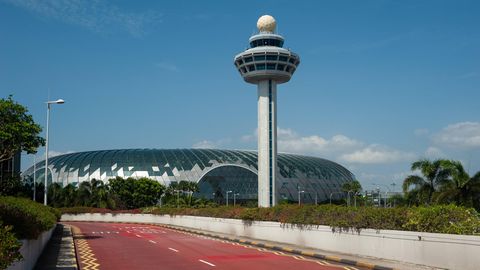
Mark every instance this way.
x=29 y=219
x=436 y=219
x=9 y=247
x=443 y=219
x=86 y=209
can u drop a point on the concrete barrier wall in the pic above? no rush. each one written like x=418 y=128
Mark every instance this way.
x=31 y=251
x=431 y=249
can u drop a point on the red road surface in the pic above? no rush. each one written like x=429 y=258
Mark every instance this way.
x=135 y=246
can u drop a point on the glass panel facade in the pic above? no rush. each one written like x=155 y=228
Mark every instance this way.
x=215 y=170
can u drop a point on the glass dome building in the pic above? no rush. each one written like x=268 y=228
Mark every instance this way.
x=216 y=171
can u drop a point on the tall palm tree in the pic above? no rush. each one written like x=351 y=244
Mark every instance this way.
x=55 y=195
x=460 y=187
x=69 y=195
x=84 y=194
x=434 y=174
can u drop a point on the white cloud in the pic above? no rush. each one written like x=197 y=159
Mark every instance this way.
x=421 y=132
x=459 y=135
x=97 y=16
x=167 y=66
x=211 y=144
x=375 y=154
x=204 y=144
x=57 y=153
x=290 y=141
x=434 y=153
x=338 y=147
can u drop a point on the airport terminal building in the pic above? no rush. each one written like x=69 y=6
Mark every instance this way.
x=216 y=171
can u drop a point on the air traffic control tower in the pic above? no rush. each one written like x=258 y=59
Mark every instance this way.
x=266 y=63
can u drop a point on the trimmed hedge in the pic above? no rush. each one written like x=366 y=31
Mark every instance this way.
x=435 y=219
x=86 y=209
x=29 y=219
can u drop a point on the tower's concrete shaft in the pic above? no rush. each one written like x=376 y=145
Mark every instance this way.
x=267 y=64
x=267 y=142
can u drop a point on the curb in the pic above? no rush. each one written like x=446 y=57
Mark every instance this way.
x=282 y=248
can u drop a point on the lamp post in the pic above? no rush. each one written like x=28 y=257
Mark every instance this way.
x=58 y=101
x=234 y=198
x=227 y=195
x=161 y=196
x=300 y=192
x=178 y=197
x=386 y=194
x=332 y=194
x=34 y=177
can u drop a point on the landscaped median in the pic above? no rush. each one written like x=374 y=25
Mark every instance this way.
x=433 y=236
x=26 y=227
x=449 y=219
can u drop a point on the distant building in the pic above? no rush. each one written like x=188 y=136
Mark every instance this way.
x=216 y=171
x=10 y=167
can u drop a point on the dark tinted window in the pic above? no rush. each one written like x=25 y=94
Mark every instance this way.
x=271 y=57
x=271 y=66
x=251 y=68
x=282 y=58
x=259 y=57
x=280 y=67
x=260 y=66
x=248 y=59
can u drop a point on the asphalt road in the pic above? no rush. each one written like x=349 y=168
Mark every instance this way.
x=134 y=246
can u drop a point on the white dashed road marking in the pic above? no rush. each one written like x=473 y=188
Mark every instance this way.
x=172 y=249
x=151 y=241
x=205 y=262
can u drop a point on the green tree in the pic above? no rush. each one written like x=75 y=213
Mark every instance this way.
x=122 y=192
x=421 y=189
x=55 y=195
x=146 y=192
x=460 y=188
x=18 y=131
x=69 y=194
x=84 y=194
x=353 y=186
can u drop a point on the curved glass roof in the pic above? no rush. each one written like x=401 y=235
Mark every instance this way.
x=173 y=165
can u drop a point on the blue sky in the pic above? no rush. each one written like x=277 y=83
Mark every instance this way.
x=381 y=83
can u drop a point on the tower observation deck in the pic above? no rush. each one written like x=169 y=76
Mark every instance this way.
x=266 y=63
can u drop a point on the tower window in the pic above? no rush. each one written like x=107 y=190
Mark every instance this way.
x=239 y=62
x=280 y=67
x=288 y=69
x=270 y=66
x=260 y=66
x=271 y=57
x=248 y=59
x=282 y=58
x=259 y=57
x=291 y=60
x=244 y=70
x=251 y=67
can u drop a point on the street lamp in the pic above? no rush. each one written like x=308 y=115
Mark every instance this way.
x=234 y=198
x=227 y=195
x=300 y=192
x=34 y=177
x=58 y=101
x=332 y=194
x=161 y=196
x=178 y=197
x=386 y=193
